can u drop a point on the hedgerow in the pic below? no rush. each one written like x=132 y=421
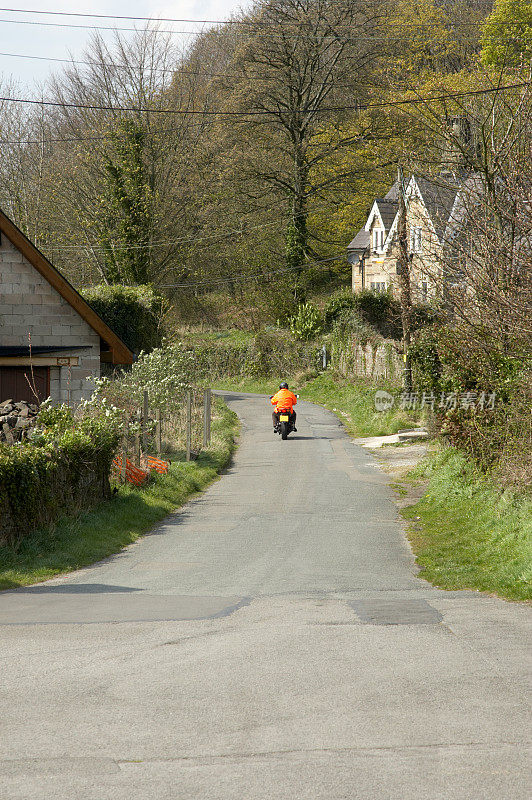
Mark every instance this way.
x=65 y=466
x=134 y=313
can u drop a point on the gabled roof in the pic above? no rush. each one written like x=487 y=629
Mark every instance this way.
x=469 y=195
x=120 y=353
x=387 y=210
x=393 y=194
x=361 y=240
x=439 y=198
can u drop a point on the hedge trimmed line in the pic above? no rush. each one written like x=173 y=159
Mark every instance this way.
x=40 y=481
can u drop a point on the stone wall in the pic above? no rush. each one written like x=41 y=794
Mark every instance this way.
x=30 y=305
x=371 y=361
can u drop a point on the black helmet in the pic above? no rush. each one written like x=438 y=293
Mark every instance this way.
x=283 y=385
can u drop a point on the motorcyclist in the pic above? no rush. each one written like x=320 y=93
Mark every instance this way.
x=284 y=401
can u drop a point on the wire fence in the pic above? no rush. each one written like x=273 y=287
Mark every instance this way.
x=153 y=436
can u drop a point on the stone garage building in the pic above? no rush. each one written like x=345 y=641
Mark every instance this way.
x=51 y=341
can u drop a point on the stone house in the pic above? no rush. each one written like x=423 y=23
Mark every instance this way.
x=51 y=341
x=374 y=251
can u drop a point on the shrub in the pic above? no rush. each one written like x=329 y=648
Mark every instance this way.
x=134 y=313
x=499 y=439
x=65 y=466
x=306 y=323
x=337 y=305
x=380 y=310
x=426 y=364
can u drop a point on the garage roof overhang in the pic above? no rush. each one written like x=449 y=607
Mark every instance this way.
x=119 y=353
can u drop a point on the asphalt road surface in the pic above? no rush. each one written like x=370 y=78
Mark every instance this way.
x=270 y=641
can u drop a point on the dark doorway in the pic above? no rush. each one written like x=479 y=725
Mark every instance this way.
x=18 y=383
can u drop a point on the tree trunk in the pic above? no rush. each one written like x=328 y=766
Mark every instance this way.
x=403 y=269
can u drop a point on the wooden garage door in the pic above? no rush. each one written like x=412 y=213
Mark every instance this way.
x=17 y=383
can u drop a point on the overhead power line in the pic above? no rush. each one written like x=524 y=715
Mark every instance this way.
x=265 y=32
x=242 y=278
x=210 y=239
x=177 y=70
x=266 y=28
x=262 y=113
x=101 y=64
x=251 y=23
x=94 y=27
x=132 y=18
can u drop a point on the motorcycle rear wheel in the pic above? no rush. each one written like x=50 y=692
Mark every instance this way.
x=284 y=430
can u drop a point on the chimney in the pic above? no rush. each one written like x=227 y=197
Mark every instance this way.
x=461 y=146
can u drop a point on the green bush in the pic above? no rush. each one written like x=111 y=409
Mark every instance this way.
x=134 y=313
x=306 y=323
x=379 y=310
x=426 y=364
x=272 y=352
x=340 y=303
x=496 y=435
x=64 y=466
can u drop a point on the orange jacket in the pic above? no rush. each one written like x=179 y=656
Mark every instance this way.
x=284 y=400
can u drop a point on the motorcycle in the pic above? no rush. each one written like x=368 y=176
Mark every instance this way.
x=285 y=425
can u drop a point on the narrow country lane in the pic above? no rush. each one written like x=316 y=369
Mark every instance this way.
x=269 y=641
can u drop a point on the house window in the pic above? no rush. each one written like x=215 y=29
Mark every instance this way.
x=378 y=240
x=378 y=286
x=416 y=240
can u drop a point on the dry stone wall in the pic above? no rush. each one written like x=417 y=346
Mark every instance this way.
x=16 y=420
x=370 y=361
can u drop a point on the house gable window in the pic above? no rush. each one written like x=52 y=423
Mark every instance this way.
x=378 y=286
x=416 y=239
x=378 y=240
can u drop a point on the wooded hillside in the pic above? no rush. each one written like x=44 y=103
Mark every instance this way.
x=256 y=151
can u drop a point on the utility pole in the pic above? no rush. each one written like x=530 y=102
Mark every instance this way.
x=403 y=272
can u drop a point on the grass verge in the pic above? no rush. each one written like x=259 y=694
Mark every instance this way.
x=466 y=534
x=77 y=542
x=353 y=402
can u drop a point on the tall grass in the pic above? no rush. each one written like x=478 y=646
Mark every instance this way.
x=466 y=533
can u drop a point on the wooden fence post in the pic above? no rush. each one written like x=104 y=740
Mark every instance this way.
x=206 y=417
x=189 y=424
x=158 y=437
x=145 y=415
x=137 y=437
x=124 y=453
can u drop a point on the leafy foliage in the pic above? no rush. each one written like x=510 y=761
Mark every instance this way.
x=426 y=364
x=134 y=313
x=431 y=45
x=125 y=206
x=507 y=34
x=306 y=323
x=65 y=465
x=109 y=526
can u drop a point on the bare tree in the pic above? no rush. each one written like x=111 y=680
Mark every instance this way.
x=120 y=164
x=299 y=69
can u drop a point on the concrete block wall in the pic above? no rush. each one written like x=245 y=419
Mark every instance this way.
x=30 y=305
